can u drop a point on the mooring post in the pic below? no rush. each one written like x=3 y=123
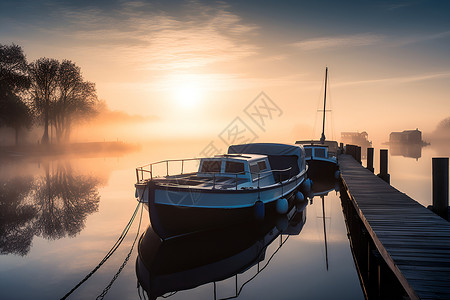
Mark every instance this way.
x=384 y=166
x=358 y=154
x=341 y=148
x=351 y=150
x=440 y=186
x=370 y=159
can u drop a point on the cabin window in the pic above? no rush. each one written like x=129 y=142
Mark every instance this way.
x=262 y=165
x=308 y=152
x=254 y=170
x=320 y=152
x=211 y=166
x=234 y=167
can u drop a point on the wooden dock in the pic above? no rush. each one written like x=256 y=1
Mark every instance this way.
x=413 y=241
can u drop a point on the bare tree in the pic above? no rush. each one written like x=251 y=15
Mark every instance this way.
x=44 y=76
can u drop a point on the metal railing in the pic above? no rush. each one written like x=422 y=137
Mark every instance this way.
x=149 y=169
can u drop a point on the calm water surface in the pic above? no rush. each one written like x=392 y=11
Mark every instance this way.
x=59 y=217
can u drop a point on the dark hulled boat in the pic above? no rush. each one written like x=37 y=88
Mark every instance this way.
x=251 y=181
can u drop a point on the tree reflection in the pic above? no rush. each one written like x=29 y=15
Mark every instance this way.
x=16 y=216
x=52 y=206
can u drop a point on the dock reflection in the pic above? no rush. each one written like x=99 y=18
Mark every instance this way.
x=53 y=205
x=181 y=263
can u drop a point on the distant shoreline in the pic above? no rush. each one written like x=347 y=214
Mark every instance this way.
x=37 y=150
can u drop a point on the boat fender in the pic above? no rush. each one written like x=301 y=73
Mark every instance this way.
x=306 y=186
x=337 y=187
x=282 y=223
x=259 y=210
x=299 y=196
x=282 y=206
x=136 y=195
x=337 y=174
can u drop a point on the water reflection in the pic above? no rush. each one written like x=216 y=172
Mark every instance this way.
x=165 y=267
x=406 y=150
x=53 y=206
x=16 y=216
x=320 y=189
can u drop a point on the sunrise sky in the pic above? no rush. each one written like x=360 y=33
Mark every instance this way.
x=195 y=68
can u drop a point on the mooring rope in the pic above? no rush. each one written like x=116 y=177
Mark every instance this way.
x=110 y=252
x=106 y=289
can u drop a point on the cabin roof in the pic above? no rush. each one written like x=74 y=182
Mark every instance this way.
x=246 y=157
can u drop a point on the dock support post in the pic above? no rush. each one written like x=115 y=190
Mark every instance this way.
x=440 y=186
x=384 y=166
x=358 y=154
x=341 y=148
x=370 y=159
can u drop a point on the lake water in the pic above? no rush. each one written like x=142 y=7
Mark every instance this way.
x=60 y=216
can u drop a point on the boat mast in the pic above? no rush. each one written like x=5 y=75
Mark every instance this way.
x=322 y=138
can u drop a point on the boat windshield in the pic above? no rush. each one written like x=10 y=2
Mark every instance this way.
x=262 y=165
x=234 y=167
x=320 y=152
x=211 y=166
x=308 y=152
x=254 y=170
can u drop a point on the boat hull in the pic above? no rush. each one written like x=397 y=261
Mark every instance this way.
x=189 y=261
x=322 y=169
x=176 y=211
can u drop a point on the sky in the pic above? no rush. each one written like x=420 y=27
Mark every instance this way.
x=208 y=69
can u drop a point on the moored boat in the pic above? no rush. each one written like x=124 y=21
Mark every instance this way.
x=321 y=158
x=321 y=155
x=252 y=180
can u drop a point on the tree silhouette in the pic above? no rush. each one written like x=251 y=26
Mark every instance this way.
x=75 y=98
x=14 y=82
x=43 y=74
x=60 y=95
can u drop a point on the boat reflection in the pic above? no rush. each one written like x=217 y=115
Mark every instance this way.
x=52 y=206
x=185 y=262
x=321 y=188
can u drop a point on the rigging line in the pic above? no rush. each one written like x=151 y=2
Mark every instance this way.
x=108 y=255
x=106 y=289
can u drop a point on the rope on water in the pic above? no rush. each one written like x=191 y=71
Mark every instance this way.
x=110 y=252
x=106 y=289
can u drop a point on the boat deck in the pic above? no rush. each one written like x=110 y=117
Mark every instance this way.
x=198 y=181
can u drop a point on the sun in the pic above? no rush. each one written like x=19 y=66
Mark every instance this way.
x=188 y=93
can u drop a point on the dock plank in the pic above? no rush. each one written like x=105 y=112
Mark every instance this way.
x=414 y=242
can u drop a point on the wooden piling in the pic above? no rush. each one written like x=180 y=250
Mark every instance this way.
x=384 y=166
x=370 y=159
x=358 y=154
x=440 y=186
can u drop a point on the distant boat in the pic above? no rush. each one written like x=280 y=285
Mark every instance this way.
x=360 y=139
x=250 y=181
x=407 y=137
x=321 y=155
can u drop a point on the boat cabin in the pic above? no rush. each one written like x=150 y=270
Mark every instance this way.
x=317 y=149
x=313 y=152
x=249 y=167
